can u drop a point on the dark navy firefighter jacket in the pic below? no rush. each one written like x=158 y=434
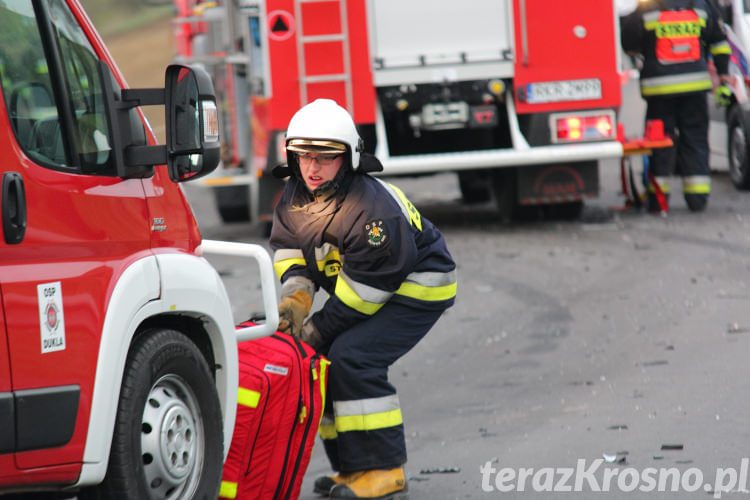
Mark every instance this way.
x=365 y=245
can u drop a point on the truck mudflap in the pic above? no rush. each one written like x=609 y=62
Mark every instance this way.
x=543 y=184
x=495 y=158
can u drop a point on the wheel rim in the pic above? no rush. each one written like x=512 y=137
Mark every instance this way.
x=737 y=152
x=172 y=440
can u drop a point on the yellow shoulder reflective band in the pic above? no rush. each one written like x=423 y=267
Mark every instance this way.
x=407 y=207
x=246 y=397
x=286 y=258
x=414 y=217
x=228 y=490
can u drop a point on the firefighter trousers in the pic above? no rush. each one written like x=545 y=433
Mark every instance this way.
x=362 y=427
x=685 y=119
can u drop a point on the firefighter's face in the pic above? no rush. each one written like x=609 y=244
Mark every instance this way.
x=317 y=168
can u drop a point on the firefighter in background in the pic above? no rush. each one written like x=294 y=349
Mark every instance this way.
x=674 y=39
x=389 y=278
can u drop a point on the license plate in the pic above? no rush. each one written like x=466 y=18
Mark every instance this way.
x=564 y=90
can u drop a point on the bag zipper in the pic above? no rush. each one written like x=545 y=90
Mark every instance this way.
x=300 y=351
x=297 y=463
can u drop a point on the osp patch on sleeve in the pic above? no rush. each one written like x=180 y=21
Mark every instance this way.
x=375 y=233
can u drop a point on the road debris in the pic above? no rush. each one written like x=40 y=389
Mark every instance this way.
x=615 y=458
x=672 y=447
x=657 y=362
x=736 y=328
x=445 y=470
x=485 y=434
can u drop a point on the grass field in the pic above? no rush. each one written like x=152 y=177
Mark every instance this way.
x=113 y=17
x=142 y=52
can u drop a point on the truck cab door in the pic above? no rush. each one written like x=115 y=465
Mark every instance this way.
x=552 y=38
x=84 y=225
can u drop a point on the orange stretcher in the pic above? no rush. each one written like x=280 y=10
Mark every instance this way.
x=653 y=138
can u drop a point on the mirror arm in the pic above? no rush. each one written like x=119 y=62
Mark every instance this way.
x=145 y=155
x=142 y=97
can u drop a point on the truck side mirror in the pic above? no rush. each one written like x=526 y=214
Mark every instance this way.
x=192 y=122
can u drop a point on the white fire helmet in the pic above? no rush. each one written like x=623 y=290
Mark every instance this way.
x=323 y=126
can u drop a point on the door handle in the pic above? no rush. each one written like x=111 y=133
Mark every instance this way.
x=13 y=208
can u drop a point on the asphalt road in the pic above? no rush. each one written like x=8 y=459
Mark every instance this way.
x=621 y=336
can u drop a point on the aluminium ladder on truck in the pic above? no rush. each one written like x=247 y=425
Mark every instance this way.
x=331 y=68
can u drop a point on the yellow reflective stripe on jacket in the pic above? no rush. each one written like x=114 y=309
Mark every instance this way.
x=676 y=84
x=696 y=184
x=407 y=208
x=228 y=490
x=429 y=286
x=285 y=258
x=328 y=256
x=426 y=286
x=415 y=218
x=371 y=422
x=368 y=414
x=360 y=297
x=721 y=48
x=246 y=397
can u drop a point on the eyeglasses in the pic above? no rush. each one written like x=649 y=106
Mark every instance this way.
x=323 y=159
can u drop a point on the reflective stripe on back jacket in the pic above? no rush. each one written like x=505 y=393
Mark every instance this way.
x=675 y=38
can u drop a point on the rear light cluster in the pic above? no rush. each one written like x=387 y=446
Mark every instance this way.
x=583 y=127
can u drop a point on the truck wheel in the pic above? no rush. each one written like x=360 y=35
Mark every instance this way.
x=167 y=441
x=565 y=211
x=474 y=185
x=232 y=203
x=504 y=188
x=739 y=170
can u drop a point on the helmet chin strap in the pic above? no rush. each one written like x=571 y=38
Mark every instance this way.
x=328 y=187
x=332 y=187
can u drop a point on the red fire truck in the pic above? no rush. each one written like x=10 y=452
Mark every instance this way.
x=118 y=356
x=517 y=97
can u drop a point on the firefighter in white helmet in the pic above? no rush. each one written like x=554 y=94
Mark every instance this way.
x=389 y=278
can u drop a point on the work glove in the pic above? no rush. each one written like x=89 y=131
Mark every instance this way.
x=723 y=95
x=292 y=311
x=310 y=335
